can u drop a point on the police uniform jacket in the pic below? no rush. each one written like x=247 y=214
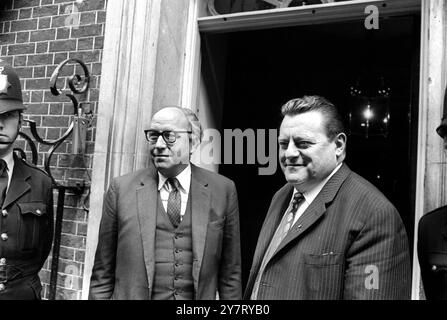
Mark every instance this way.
x=432 y=253
x=26 y=232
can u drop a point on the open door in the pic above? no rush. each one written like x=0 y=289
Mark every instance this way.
x=252 y=64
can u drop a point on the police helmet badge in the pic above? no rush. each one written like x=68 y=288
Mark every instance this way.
x=4 y=84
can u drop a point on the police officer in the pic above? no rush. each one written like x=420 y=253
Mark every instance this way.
x=432 y=240
x=26 y=199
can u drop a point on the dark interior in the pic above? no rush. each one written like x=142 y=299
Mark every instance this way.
x=266 y=68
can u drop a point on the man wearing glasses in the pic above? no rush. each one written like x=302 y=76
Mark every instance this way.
x=171 y=231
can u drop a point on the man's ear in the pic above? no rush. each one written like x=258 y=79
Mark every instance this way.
x=20 y=120
x=340 y=144
x=194 y=143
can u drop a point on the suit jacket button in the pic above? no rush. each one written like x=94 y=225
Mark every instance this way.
x=38 y=211
x=2 y=287
x=4 y=212
x=2 y=261
x=4 y=236
x=434 y=268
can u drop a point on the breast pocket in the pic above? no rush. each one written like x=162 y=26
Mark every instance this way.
x=33 y=224
x=214 y=237
x=436 y=277
x=217 y=224
x=323 y=275
x=437 y=262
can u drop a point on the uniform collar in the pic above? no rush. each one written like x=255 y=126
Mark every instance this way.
x=9 y=159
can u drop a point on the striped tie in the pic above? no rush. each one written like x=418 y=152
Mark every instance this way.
x=280 y=234
x=297 y=198
x=174 y=202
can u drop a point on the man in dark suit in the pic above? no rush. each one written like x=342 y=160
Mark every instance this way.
x=432 y=240
x=26 y=198
x=170 y=231
x=329 y=233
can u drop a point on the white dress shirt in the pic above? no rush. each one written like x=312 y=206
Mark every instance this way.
x=184 y=179
x=9 y=159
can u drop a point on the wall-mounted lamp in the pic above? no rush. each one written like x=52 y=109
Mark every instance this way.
x=81 y=122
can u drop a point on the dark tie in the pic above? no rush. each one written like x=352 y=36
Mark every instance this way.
x=174 y=202
x=3 y=180
x=297 y=198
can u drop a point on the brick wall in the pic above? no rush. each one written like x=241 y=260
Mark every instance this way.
x=35 y=36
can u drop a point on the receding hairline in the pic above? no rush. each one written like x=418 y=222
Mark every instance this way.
x=169 y=109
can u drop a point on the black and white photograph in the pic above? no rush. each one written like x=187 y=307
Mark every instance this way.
x=242 y=151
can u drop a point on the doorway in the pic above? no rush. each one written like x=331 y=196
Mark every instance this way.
x=266 y=68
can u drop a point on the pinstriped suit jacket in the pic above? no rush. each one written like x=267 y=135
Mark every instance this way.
x=349 y=244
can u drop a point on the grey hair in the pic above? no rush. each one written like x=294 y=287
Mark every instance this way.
x=194 y=122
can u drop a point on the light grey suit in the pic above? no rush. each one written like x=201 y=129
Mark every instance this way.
x=124 y=261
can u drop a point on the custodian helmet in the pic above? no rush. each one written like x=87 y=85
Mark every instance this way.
x=10 y=89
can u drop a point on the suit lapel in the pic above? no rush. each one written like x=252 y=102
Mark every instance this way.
x=147 y=195
x=200 y=207
x=317 y=208
x=19 y=185
x=312 y=214
x=277 y=208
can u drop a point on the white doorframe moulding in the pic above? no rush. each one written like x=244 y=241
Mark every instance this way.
x=305 y=15
x=431 y=176
x=142 y=69
x=130 y=47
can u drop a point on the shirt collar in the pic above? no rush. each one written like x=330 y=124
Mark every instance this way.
x=310 y=195
x=184 y=179
x=9 y=159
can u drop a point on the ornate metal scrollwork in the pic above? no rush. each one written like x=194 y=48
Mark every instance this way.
x=73 y=83
x=77 y=85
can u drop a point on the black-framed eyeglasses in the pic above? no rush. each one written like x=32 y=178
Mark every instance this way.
x=169 y=136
